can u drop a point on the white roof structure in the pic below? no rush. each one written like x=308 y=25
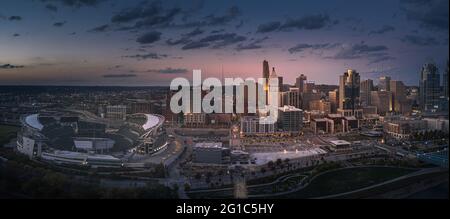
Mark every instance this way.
x=33 y=121
x=340 y=143
x=152 y=121
x=208 y=145
x=264 y=158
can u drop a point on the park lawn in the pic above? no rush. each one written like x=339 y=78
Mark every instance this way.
x=347 y=180
x=7 y=133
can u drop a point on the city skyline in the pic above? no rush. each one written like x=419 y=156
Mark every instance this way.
x=134 y=43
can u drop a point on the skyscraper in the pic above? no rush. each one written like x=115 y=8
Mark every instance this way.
x=384 y=83
x=429 y=88
x=333 y=96
x=382 y=100
x=300 y=82
x=349 y=88
x=366 y=88
x=266 y=69
x=399 y=101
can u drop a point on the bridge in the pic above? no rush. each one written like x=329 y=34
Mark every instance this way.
x=439 y=158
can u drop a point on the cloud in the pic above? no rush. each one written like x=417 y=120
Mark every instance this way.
x=10 y=66
x=76 y=3
x=420 y=41
x=59 y=24
x=146 y=14
x=309 y=22
x=360 y=50
x=16 y=35
x=51 y=7
x=99 y=29
x=216 y=41
x=431 y=14
x=312 y=22
x=169 y=71
x=382 y=30
x=193 y=33
x=119 y=75
x=149 y=37
x=147 y=56
x=195 y=45
x=254 y=44
x=303 y=46
x=268 y=27
x=230 y=15
x=15 y=18
x=223 y=40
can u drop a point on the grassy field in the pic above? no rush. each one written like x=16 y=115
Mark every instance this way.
x=7 y=133
x=347 y=180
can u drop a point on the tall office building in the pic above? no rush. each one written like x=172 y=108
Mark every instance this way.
x=382 y=100
x=399 y=101
x=333 y=96
x=266 y=69
x=300 y=82
x=384 y=83
x=266 y=75
x=429 y=88
x=291 y=98
x=366 y=88
x=349 y=87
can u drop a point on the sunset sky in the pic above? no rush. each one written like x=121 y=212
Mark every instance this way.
x=139 y=43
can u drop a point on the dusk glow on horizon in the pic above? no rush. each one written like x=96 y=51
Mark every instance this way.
x=148 y=43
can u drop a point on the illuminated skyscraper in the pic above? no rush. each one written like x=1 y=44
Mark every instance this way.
x=429 y=88
x=349 y=87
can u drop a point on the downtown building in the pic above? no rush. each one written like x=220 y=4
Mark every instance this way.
x=349 y=94
x=429 y=88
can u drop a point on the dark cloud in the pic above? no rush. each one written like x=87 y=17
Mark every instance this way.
x=76 y=3
x=16 y=35
x=420 y=41
x=217 y=31
x=147 y=56
x=222 y=40
x=119 y=76
x=268 y=27
x=15 y=18
x=381 y=58
x=10 y=66
x=303 y=46
x=432 y=14
x=193 y=33
x=382 y=30
x=254 y=44
x=360 y=50
x=310 y=22
x=59 y=24
x=169 y=71
x=149 y=37
x=183 y=41
x=146 y=14
x=229 y=16
x=51 y=7
x=195 y=45
x=99 y=29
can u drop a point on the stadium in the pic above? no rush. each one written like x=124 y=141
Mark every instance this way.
x=72 y=138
